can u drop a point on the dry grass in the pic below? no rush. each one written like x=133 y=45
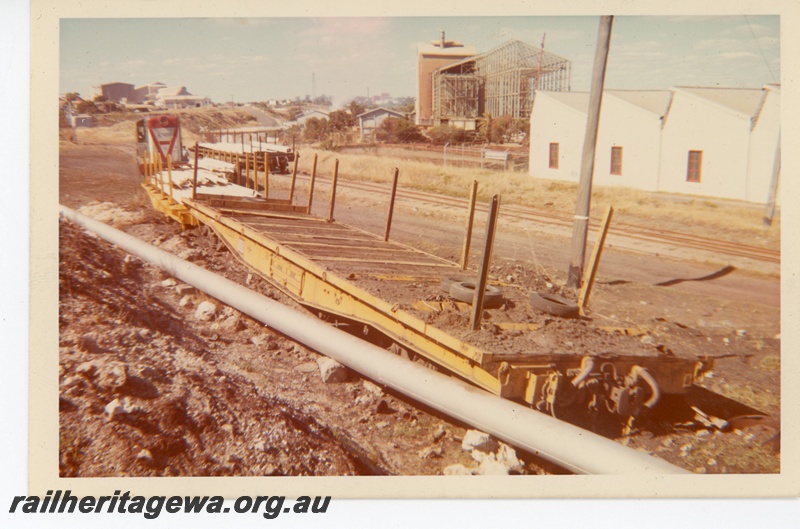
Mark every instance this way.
x=730 y=454
x=757 y=399
x=727 y=220
x=770 y=363
x=120 y=133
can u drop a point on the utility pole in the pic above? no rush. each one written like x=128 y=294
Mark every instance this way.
x=769 y=213
x=581 y=223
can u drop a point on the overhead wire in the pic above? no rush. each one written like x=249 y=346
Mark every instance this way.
x=760 y=50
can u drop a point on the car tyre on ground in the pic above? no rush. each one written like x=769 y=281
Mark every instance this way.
x=553 y=304
x=465 y=291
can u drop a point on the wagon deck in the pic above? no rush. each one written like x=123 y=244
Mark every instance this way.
x=371 y=286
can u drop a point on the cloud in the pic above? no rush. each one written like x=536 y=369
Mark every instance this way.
x=749 y=30
x=241 y=22
x=736 y=55
x=332 y=29
x=534 y=36
x=693 y=19
x=707 y=44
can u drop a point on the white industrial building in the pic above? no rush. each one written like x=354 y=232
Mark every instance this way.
x=716 y=142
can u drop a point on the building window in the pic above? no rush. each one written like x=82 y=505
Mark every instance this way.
x=553 y=156
x=616 y=160
x=693 y=172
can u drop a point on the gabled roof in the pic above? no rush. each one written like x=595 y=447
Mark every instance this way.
x=526 y=55
x=653 y=101
x=576 y=100
x=381 y=110
x=746 y=101
x=183 y=97
x=148 y=85
x=173 y=91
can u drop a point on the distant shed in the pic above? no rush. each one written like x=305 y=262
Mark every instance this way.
x=80 y=120
x=370 y=120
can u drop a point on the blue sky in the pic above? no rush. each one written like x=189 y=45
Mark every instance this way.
x=255 y=59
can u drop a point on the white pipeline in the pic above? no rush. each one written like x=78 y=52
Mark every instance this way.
x=568 y=446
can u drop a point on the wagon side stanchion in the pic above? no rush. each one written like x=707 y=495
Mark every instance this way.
x=194 y=176
x=483 y=274
x=333 y=189
x=160 y=173
x=294 y=177
x=238 y=170
x=169 y=176
x=473 y=195
x=266 y=175
x=311 y=185
x=246 y=170
x=391 y=204
x=594 y=262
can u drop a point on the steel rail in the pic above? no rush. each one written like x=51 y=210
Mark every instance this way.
x=620 y=229
x=568 y=446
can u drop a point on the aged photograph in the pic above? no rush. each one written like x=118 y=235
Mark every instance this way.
x=419 y=246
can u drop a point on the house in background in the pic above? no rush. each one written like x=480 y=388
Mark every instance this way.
x=305 y=116
x=370 y=120
x=179 y=97
x=716 y=142
x=148 y=92
x=156 y=93
x=116 y=92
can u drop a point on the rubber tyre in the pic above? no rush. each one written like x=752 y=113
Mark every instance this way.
x=447 y=281
x=465 y=291
x=553 y=305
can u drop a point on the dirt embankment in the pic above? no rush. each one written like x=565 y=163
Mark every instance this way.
x=150 y=387
x=142 y=395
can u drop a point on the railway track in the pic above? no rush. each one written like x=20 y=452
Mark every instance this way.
x=622 y=229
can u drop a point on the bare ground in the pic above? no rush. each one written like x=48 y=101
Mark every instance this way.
x=209 y=374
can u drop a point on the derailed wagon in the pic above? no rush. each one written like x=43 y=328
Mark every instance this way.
x=340 y=273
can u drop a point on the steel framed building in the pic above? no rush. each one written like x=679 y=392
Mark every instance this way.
x=499 y=82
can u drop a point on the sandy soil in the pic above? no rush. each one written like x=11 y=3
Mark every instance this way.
x=166 y=368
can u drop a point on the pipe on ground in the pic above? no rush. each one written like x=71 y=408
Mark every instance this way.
x=568 y=446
